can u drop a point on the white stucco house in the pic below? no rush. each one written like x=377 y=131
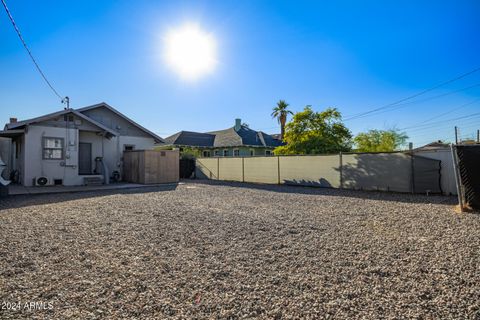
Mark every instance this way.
x=72 y=146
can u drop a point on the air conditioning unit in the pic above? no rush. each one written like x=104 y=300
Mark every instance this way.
x=42 y=181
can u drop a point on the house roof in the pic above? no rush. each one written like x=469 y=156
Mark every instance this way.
x=79 y=113
x=224 y=138
x=105 y=105
x=11 y=133
x=20 y=124
x=434 y=146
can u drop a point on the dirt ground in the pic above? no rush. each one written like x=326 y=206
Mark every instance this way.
x=231 y=250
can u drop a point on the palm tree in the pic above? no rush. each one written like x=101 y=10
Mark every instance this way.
x=281 y=112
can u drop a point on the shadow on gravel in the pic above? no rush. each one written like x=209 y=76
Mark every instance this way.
x=19 y=201
x=363 y=195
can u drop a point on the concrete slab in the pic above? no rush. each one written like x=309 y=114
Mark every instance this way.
x=22 y=190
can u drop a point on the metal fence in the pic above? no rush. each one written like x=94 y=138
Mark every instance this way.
x=399 y=172
x=467 y=157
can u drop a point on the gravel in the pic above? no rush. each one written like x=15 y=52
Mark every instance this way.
x=230 y=251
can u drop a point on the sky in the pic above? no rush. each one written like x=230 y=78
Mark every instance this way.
x=352 y=55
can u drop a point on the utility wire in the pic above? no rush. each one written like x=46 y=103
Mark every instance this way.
x=451 y=110
x=363 y=114
x=406 y=104
x=442 y=121
x=29 y=52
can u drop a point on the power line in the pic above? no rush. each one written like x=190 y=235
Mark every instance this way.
x=363 y=114
x=406 y=104
x=29 y=52
x=427 y=123
x=421 y=126
x=451 y=110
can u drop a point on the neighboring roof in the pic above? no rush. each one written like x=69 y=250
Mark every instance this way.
x=105 y=105
x=188 y=138
x=434 y=146
x=19 y=124
x=224 y=138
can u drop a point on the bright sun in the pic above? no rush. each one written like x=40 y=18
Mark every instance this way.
x=190 y=51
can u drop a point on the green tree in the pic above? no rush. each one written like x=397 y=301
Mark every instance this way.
x=311 y=132
x=280 y=112
x=380 y=140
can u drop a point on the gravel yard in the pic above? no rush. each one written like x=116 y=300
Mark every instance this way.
x=211 y=250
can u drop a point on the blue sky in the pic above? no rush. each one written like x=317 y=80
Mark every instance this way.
x=355 y=56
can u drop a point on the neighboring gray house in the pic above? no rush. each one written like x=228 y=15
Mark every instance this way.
x=72 y=146
x=238 y=140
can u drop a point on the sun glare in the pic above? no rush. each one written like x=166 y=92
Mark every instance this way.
x=190 y=51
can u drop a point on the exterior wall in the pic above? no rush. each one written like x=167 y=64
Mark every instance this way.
x=33 y=165
x=448 y=174
x=112 y=149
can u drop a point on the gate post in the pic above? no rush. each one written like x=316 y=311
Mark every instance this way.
x=340 y=158
x=278 y=168
x=412 y=167
x=243 y=169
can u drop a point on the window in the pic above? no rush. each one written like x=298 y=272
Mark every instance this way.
x=128 y=147
x=268 y=152
x=236 y=152
x=206 y=153
x=52 y=148
x=252 y=152
x=225 y=153
x=217 y=153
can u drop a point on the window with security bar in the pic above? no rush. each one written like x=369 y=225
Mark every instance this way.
x=53 y=148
